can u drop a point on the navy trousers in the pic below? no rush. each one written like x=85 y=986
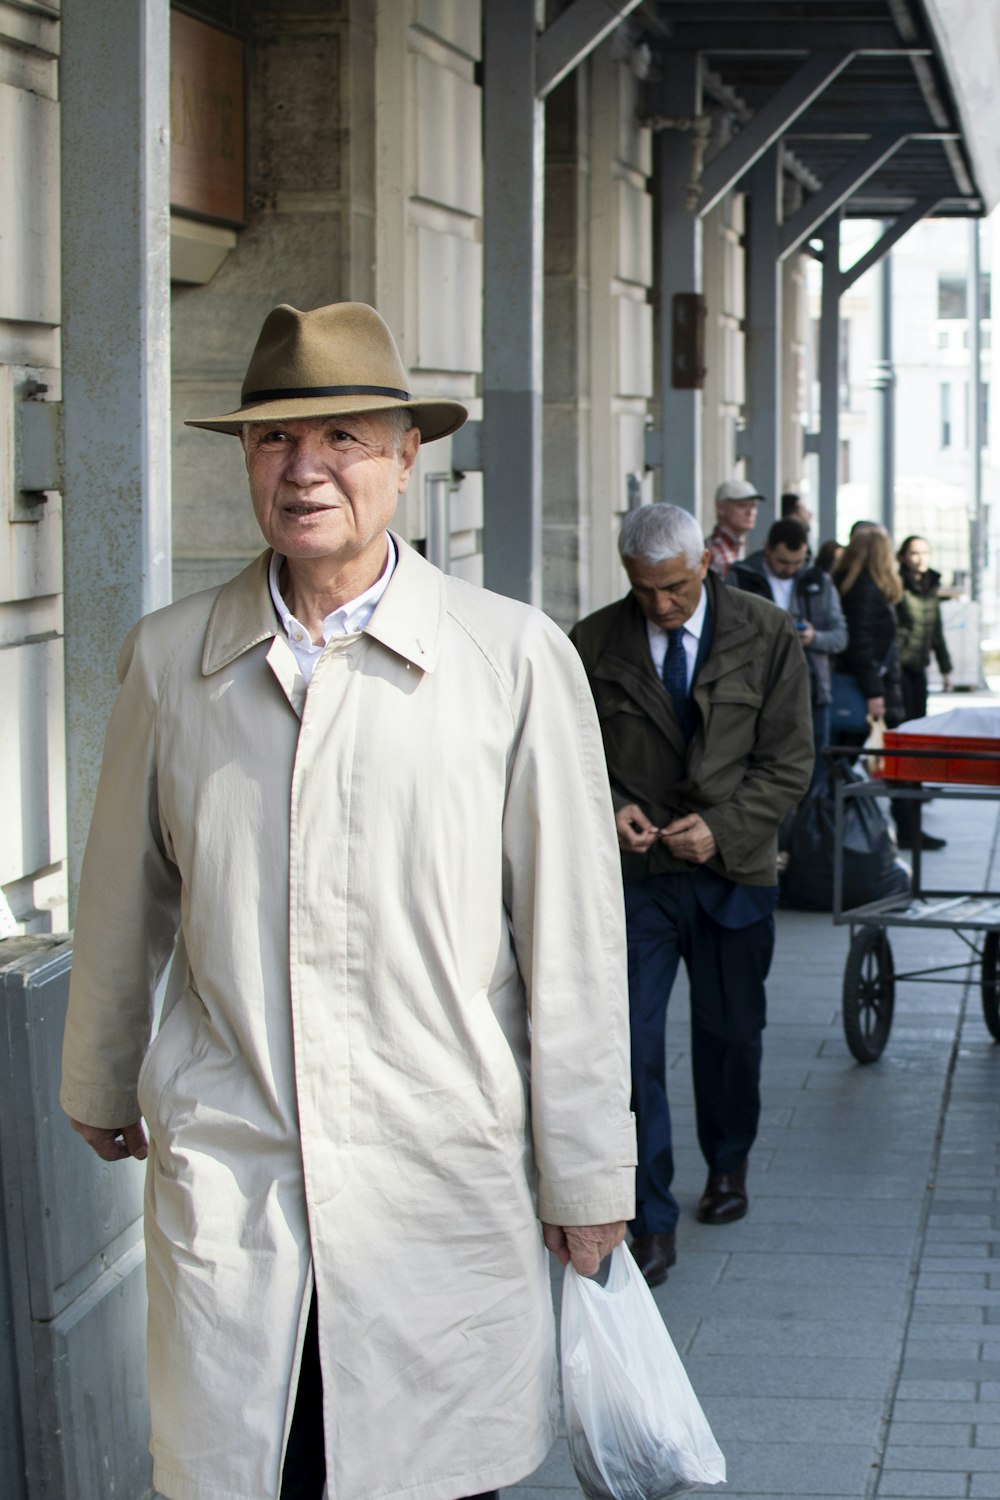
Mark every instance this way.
x=727 y=968
x=821 y=738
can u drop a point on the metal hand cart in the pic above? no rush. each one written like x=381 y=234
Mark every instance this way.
x=870 y=976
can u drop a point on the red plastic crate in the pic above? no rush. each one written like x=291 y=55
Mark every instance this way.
x=944 y=767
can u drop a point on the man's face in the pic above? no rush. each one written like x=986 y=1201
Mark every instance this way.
x=325 y=488
x=783 y=562
x=738 y=516
x=667 y=592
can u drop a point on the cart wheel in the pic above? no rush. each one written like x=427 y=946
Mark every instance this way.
x=991 y=984
x=869 y=994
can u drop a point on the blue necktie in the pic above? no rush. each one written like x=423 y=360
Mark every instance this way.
x=675 y=680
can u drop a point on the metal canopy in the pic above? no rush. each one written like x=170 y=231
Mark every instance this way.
x=895 y=83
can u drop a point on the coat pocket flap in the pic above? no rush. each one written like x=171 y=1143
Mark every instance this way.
x=732 y=690
x=609 y=705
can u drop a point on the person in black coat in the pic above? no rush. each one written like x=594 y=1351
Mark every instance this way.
x=870 y=589
x=868 y=581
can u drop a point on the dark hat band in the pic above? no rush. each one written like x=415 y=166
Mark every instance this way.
x=295 y=393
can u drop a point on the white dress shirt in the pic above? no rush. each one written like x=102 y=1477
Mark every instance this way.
x=692 y=628
x=349 y=619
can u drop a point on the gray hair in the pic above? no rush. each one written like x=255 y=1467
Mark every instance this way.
x=656 y=533
x=395 y=420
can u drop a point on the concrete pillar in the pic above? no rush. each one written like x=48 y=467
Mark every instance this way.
x=829 y=379
x=883 y=382
x=567 y=478
x=679 y=269
x=762 y=443
x=513 y=146
x=116 y=359
x=977 y=436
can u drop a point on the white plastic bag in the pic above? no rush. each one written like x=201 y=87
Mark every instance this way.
x=635 y=1428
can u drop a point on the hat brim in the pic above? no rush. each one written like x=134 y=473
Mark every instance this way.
x=434 y=419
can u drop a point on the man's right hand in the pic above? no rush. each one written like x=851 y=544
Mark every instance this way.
x=114 y=1144
x=635 y=832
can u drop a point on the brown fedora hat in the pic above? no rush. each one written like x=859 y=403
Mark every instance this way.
x=334 y=361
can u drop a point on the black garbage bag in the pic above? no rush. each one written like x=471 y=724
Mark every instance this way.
x=872 y=868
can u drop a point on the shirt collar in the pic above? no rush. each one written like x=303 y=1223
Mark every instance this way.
x=695 y=624
x=347 y=619
x=409 y=619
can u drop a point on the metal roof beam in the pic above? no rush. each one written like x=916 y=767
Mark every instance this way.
x=792 y=99
x=573 y=35
x=837 y=190
x=916 y=130
x=885 y=207
x=922 y=209
x=773 y=37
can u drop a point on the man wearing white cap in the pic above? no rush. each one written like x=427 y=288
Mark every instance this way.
x=736 y=511
x=364 y=807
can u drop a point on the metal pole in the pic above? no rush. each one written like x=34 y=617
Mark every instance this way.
x=977 y=527
x=764 y=329
x=437 y=492
x=116 y=359
x=513 y=144
x=882 y=380
x=829 y=379
x=888 y=401
x=679 y=269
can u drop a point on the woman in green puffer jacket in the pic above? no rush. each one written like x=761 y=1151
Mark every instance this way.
x=920 y=631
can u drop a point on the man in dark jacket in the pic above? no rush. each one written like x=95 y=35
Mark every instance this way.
x=703 y=697
x=781 y=572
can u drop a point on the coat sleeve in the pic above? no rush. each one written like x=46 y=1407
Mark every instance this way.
x=871 y=630
x=127 y=915
x=779 y=768
x=938 y=643
x=832 y=637
x=563 y=895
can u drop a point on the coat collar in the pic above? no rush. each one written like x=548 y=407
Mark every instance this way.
x=626 y=660
x=736 y=637
x=407 y=620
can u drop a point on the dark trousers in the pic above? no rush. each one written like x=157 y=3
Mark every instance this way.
x=726 y=968
x=821 y=738
x=304 y=1474
x=913 y=681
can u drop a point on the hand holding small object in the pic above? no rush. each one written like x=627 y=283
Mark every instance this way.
x=690 y=838
x=635 y=832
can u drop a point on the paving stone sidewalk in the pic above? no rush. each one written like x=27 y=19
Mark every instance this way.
x=844 y=1338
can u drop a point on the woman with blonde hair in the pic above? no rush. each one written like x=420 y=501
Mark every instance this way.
x=870 y=587
x=868 y=581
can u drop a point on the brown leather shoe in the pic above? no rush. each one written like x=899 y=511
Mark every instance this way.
x=725 y=1197
x=654 y=1254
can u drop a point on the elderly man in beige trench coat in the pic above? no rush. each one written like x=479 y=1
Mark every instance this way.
x=364 y=806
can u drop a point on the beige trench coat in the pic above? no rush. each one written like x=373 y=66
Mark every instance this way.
x=375 y=884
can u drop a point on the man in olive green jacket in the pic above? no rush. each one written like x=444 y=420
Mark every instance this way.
x=703 y=697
